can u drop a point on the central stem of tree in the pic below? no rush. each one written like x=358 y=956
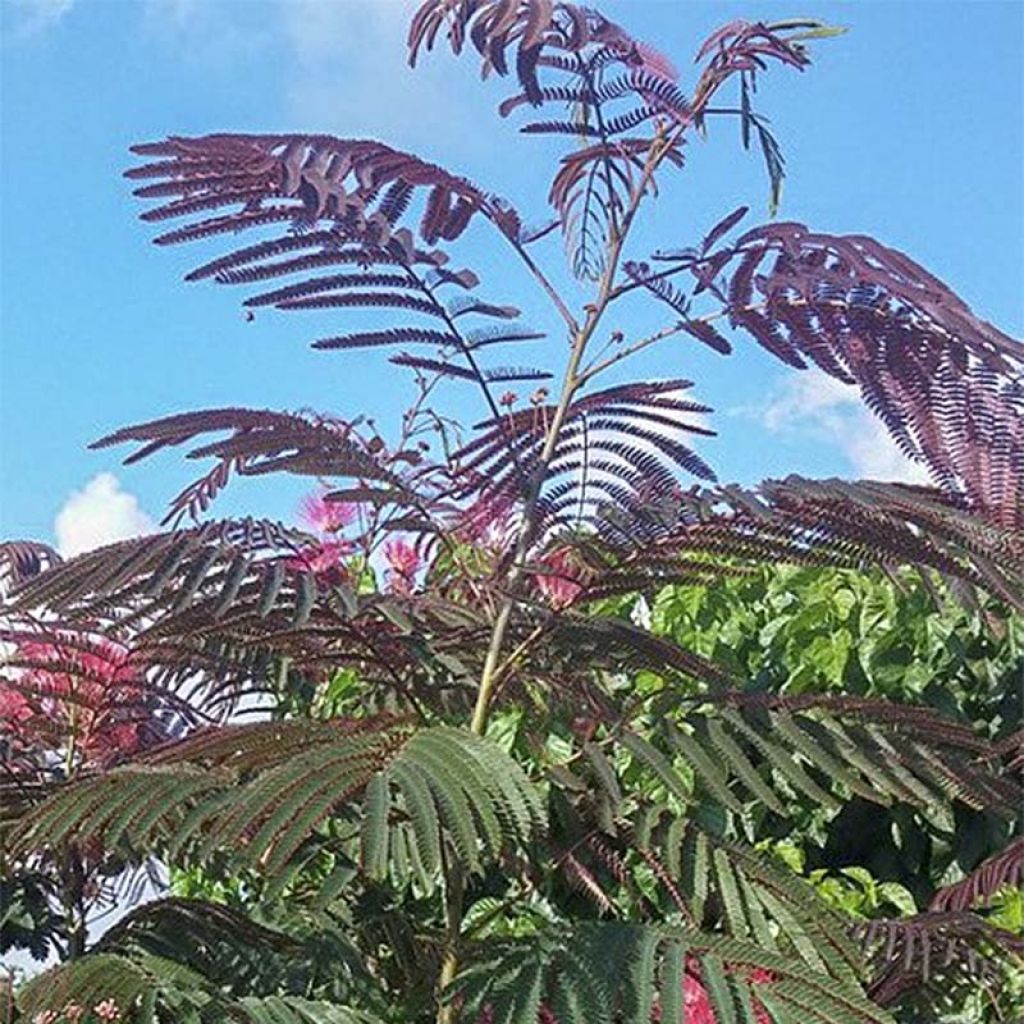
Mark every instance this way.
x=490 y=674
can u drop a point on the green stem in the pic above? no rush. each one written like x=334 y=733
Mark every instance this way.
x=454 y=892
x=493 y=669
x=571 y=382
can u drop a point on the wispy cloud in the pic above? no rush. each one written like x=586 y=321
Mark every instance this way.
x=821 y=407
x=335 y=66
x=349 y=75
x=32 y=16
x=215 y=33
x=100 y=513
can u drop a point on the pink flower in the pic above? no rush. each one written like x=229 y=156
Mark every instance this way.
x=107 y=1010
x=45 y=1017
x=657 y=63
x=92 y=689
x=562 y=578
x=323 y=558
x=401 y=557
x=73 y=1013
x=487 y=523
x=697 y=1005
x=14 y=708
x=326 y=516
x=403 y=563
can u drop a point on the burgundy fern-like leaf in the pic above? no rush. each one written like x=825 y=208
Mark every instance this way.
x=327 y=284
x=947 y=945
x=155 y=566
x=610 y=83
x=1005 y=868
x=326 y=176
x=20 y=560
x=258 y=442
x=441 y=367
x=808 y=522
x=394 y=336
x=945 y=383
x=723 y=227
x=606 y=437
x=541 y=31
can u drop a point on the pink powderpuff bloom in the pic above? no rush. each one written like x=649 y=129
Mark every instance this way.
x=107 y=1010
x=487 y=523
x=326 y=516
x=562 y=578
x=655 y=62
x=324 y=559
x=91 y=689
x=14 y=709
x=697 y=1002
x=403 y=563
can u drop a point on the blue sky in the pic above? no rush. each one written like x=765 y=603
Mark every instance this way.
x=907 y=128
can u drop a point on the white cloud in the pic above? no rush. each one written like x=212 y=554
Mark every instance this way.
x=33 y=16
x=342 y=65
x=348 y=74
x=323 y=31
x=211 y=33
x=100 y=513
x=814 y=403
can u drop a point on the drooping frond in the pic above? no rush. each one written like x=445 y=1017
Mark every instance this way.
x=260 y=442
x=600 y=973
x=744 y=49
x=591 y=191
x=153 y=990
x=238 y=955
x=341 y=203
x=946 y=384
x=172 y=569
x=604 y=83
x=616 y=96
x=810 y=522
x=747 y=895
x=20 y=560
x=299 y=179
x=938 y=949
x=615 y=445
x=494 y=28
x=709 y=882
x=747 y=748
x=138 y=985
x=611 y=644
x=219 y=610
x=242 y=791
x=1001 y=869
x=173 y=926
